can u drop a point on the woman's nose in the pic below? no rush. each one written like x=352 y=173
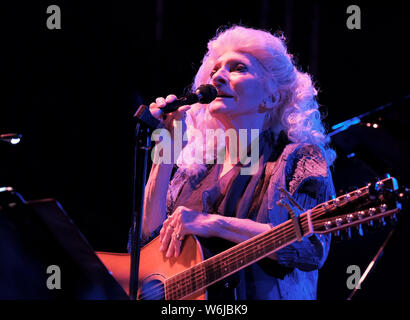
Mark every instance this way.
x=219 y=77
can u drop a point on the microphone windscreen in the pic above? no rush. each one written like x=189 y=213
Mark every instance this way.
x=208 y=93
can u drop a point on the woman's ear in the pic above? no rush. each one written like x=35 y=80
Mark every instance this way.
x=265 y=106
x=275 y=98
x=269 y=103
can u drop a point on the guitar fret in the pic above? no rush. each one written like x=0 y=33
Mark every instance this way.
x=185 y=283
x=230 y=261
x=242 y=256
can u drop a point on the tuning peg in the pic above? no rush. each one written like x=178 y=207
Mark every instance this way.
x=337 y=236
x=372 y=211
x=360 y=230
x=339 y=222
x=349 y=233
x=350 y=218
x=361 y=215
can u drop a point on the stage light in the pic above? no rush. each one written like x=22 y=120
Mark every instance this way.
x=12 y=138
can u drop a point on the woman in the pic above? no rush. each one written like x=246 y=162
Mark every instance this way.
x=260 y=88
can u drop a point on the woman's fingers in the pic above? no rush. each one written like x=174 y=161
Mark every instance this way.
x=171 y=235
x=160 y=102
x=181 y=112
x=174 y=248
x=171 y=247
x=178 y=241
x=168 y=119
x=170 y=98
x=155 y=110
x=167 y=237
x=163 y=229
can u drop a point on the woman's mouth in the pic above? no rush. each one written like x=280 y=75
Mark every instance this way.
x=223 y=95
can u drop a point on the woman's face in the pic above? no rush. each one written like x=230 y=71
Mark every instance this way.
x=239 y=80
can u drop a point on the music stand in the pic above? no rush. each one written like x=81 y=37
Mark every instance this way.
x=37 y=234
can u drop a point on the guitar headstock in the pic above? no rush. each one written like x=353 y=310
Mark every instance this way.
x=374 y=202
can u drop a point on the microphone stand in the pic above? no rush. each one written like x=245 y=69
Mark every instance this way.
x=342 y=126
x=146 y=123
x=404 y=195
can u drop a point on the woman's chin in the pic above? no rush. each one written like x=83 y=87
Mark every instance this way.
x=216 y=108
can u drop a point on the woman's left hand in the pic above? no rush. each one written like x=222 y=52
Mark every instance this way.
x=184 y=221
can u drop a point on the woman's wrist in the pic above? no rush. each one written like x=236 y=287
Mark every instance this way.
x=235 y=229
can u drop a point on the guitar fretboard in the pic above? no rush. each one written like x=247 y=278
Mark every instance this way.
x=252 y=250
x=232 y=260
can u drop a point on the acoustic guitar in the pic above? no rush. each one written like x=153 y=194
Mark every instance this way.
x=189 y=275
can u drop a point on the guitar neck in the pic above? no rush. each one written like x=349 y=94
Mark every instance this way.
x=244 y=254
x=232 y=260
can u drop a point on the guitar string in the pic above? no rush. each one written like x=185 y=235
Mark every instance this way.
x=173 y=291
x=211 y=267
x=233 y=257
x=317 y=211
x=171 y=287
x=199 y=273
x=195 y=275
x=236 y=253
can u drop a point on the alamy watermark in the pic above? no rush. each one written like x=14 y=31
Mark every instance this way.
x=54 y=20
x=238 y=147
x=353 y=281
x=54 y=280
x=354 y=20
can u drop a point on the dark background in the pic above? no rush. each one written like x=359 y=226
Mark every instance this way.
x=72 y=92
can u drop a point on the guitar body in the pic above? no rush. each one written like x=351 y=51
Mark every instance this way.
x=155 y=268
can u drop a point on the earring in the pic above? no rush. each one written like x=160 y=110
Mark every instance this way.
x=263 y=107
x=264 y=103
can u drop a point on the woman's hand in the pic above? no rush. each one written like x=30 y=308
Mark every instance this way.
x=174 y=123
x=182 y=222
x=169 y=119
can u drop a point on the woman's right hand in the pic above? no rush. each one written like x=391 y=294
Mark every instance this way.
x=174 y=123
x=170 y=119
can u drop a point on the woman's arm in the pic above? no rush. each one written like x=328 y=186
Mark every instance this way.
x=155 y=210
x=186 y=221
x=155 y=198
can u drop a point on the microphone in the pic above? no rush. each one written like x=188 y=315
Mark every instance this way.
x=205 y=93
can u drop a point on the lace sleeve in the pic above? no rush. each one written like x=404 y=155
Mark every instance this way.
x=310 y=183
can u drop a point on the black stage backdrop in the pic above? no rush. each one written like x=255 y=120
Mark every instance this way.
x=72 y=93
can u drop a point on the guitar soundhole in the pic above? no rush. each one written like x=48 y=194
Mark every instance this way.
x=152 y=290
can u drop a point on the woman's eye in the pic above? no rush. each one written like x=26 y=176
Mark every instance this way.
x=240 y=68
